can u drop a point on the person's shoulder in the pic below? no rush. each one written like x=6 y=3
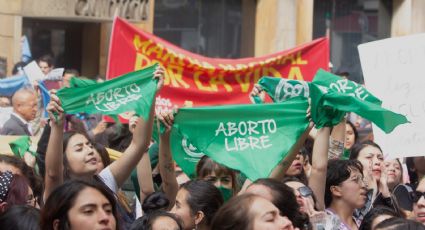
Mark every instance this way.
x=12 y=127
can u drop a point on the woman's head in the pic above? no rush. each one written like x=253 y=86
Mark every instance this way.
x=249 y=211
x=19 y=167
x=396 y=223
x=20 y=217
x=219 y=175
x=419 y=202
x=344 y=184
x=376 y=215
x=14 y=190
x=394 y=173
x=196 y=203
x=303 y=193
x=79 y=205
x=282 y=196
x=371 y=157
x=156 y=201
x=80 y=159
x=351 y=135
x=297 y=166
x=102 y=156
x=158 y=220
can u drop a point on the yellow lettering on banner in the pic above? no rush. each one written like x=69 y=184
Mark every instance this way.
x=198 y=82
x=194 y=63
x=141 y=45
x=226 y=66
x=140 y=59
x=252 y=65
x=270 y=60
x=175 y=73
x=269 y=71
x=155 y=49
x=300 y=61
x=207 y=65
x=295 y=73
x=168 y=55
x=287 y=58
x=219 y=80
x=241 y=66
x=257 y=74
x=173 y=56
x=244 y=83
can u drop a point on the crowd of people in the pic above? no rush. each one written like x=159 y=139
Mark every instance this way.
x=332 y=181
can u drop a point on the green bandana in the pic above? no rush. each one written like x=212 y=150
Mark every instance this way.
x=81 y=82
x=226 y=193
x=21 y=145
x=134 y=91
x=346 y=154
x=281 y=89
x=330 y=92
x=331 y=97
x=250 y=138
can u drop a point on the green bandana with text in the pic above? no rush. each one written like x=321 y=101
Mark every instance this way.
x=134 y=91
x=252 y=139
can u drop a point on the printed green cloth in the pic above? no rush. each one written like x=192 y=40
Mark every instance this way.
x=250 y=138
x=134 y=91
x=331 y=97
x=20 y=146
x=81 y=82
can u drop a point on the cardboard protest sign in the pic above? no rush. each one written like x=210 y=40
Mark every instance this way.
x=393 y=70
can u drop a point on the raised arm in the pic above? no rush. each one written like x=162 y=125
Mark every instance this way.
x=166 y=163
x=317 y=180
x=121 y=168
x=54 y=154
x=144 y=177
x=336 y=145
x=280 y=170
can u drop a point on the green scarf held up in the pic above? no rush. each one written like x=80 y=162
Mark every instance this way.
x=134 y=91
x=77 y=82
x=330 y=92
x=331 y=98
x=20 y=146
x=252 y=144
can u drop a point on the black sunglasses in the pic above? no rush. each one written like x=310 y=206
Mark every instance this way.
x=305 y=191
x=417 y=196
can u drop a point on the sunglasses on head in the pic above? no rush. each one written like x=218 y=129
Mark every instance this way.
x=416 y=195
x=305 y=191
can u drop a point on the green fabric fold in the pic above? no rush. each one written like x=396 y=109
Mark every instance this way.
x=134 y=91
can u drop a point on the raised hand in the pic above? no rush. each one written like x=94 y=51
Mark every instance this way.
x=257 y=90
x=159 y=74
x=54 y=109
x=166 y=118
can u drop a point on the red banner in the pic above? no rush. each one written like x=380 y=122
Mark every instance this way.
x=195 y=80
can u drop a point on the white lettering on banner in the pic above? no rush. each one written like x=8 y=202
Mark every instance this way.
x=112 y=99
x=239 y=136
x=344 y=85
x=289 y=90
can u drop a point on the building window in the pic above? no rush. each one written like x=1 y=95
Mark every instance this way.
x=350 y=23
x=207 y=27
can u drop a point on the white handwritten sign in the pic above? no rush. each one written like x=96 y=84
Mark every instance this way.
x=393 y=70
